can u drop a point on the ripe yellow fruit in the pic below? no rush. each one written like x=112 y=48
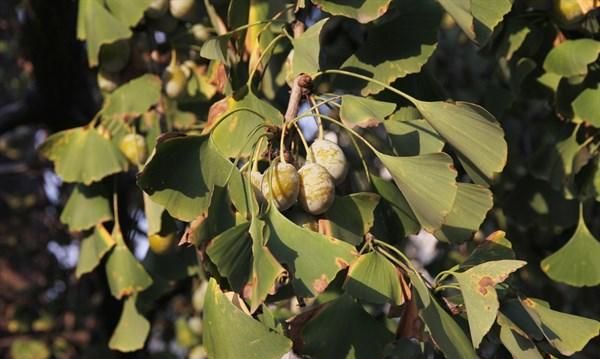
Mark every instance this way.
x=567 y=12
x=282 y=184
x=134 y=148
x=176 y=81
x=157 y=8
x=332 y=158
x=317 y=190
x=200 y=32
x=161 y=244
x=182 y=9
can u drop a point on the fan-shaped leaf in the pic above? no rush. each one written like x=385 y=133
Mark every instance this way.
x=126 y=276
x=129 y=12
x=413 y=137
x=374 y=279
x=479 y=293
x=312 y=258
x=307 y=49
x=350 y=217
x=231 y=252
x=363 y=111
x=572 y=57
x=229 y=331
x=392 y=195
x=86 y=206
x=363 y=11
x=516 y=341
x=92 y=249
x=82 y=154
x=587 y=106
x=132 y=330
x=576 y=263
x=133 y=98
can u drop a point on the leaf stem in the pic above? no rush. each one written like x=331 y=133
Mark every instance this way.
x=319 y=122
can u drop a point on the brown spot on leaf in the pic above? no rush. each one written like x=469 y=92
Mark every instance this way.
x=319 y=285
x=214 y=113
x=485 y=282
x=341 y=263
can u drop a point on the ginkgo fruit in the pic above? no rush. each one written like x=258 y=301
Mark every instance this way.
x=107 y=81
x=256 y=179
x=157 y=8
x=182 y=9
x=134 y=148
x=160 y=244
x=331 y=157
x=176 y=81
x=317 y=190
x=281 y=184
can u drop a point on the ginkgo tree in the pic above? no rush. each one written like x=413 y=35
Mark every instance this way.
x=299 y=170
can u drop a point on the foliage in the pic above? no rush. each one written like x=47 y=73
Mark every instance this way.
x=412 y=160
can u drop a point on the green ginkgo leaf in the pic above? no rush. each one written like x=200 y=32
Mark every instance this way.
x=566 y=332
x=360 y=10
x=350 y=217
x=229 y=331
x=132 y=329
x=364 y=111
x=231 y=252
x=23 y=348
x=98 y=26
x=572 y=57
x=312 y=258
x=427 y=182
x=129 y=12
x=92 y=250
x=413 y=137
x=374 y=279
x=133 y=98
x=307 y=50
x=586 y=106
x=86 y=206
x=471 y=131
x=126 y=276
x=479 y=293
x=468 y=212
x=82 y=154
x=516 y=341
x=576 y=263
x=390 y=193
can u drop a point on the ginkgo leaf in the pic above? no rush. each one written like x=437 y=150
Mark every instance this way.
x=479 y=293
x=427 y=182
x=390 y=193
x=572 y=57
x=66 y=148
x=92 y=250
x=216 y=48
x=231 y=252
x=132 y=329
x=229 y=331
x=586 y=106
x=376 y=58
x=413 y=137
x=360 y=10
x=98 y=26
x=472 y=131
x=350 y=217
x=576 y=263
x=312 y=258
x=374 y=279
x=86 y=206
x=126 y=276
x=133 y=98
x=364 y=111
x=516 y=341
x=468 y=212
x=343 y=329
x=129 y=12
x=566 y=332
x=307 y=50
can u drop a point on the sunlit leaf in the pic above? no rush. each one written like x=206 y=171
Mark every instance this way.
x=129 y=12
x=312 y=258
x=576 y=263
x=343 y=329
x=572 y=57
x=307 y=50
x=587 y=106
x=126 y=276
x=92 y=249
x=23 y=348
x=363 y=11
x=377 y=59
x=350 y=217
x=473 y=132
x=133 y=98
x=363 y=111
x=517 y=342
x=374 y=279
x=495 y=247
x=566 y=332
x=67 y=149
x=413 y=137
x=428 y=184
x=229 y=332
x=87 y=205
x=478 y=290
x=98 y=26
x=132 y=329
x=216 y=48
x=468 y=212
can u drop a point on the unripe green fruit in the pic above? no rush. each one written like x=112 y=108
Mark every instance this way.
x=114 y=57
x=281 y=184
x=107 y=81
x=567 y=12
x=317 y=190
x=182 y=9
x=157 y=8
x=161 y=244
x=133 y=147
x=176 y=82
x=256 y=179
x=332 y=158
